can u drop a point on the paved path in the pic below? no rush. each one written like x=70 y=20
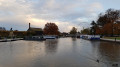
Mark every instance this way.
x=112 y=40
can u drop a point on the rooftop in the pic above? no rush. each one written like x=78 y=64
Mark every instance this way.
x=34 y=29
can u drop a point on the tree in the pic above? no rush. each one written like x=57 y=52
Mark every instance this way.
x=85 y=31
x=73 y=31
x=20 y=33
x=106 y=21
x=51 y=29
x=110 y=16
x=93 y=28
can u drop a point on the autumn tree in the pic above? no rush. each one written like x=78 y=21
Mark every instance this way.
x=4 y=33
x=110 y=16
x=107 y=21
x=20 y=33
x=99 y=31
x=51 y=29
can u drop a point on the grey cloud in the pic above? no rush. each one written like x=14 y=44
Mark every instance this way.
x=50 y=10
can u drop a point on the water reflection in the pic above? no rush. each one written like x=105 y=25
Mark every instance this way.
x=95 y=49
x=63 y=52
x=51 y=45
x=110 y=52
x=74 y=45
x=73 y=39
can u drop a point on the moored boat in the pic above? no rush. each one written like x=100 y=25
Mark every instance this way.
x=38 y=38
x=90 y=37
x=50 y=37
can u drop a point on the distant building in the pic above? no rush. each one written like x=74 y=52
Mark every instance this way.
x=2 y=29
x=64 y=34
x=35 y=31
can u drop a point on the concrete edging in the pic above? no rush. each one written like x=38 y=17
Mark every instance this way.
x=111 y=40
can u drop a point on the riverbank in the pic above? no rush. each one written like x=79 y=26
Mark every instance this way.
x=111 y=40
x=8 y=40
x=118 y=38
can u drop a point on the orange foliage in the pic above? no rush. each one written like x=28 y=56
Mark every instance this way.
x=98 y=30
x=108 y=28
x=51 y=29
x=16 y=33
x=4 y=33
x=20 y=33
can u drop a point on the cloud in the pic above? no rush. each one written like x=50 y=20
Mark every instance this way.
x=65 y=13
x=63 y=26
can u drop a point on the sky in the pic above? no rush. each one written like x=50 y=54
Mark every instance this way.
x=65 y=13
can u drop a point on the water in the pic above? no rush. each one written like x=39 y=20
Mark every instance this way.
x=63 y=52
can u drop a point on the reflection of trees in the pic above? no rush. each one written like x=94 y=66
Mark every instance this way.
x=74 y=44
x=73 y=39
x=51 y=45
x=95 y=46
x=109 y=51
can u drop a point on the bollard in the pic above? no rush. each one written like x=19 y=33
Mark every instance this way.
x=115 y=39
x=97 y=60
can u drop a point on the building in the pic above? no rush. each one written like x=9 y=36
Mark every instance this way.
x=64 y=34
x=34 y=31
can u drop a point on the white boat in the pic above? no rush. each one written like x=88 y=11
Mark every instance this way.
x=91 y=37
x=49 y=37
x=38 y=38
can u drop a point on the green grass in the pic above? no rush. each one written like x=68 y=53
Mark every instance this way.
x=118 y=38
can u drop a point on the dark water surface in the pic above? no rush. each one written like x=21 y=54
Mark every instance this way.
x=63 y=52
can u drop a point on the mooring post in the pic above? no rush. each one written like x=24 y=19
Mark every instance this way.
x=115 y=39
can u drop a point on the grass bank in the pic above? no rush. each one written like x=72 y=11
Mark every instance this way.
x=118 y=38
